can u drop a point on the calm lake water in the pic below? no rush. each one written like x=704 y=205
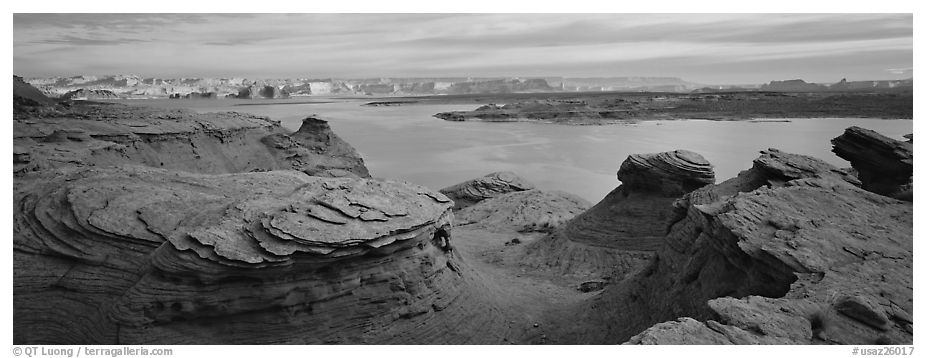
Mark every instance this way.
x=407 y=143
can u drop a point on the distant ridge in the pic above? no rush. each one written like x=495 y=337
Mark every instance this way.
x=799 y=85
x=134 y=86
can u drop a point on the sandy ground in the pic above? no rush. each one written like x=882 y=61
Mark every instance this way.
x=533 y=297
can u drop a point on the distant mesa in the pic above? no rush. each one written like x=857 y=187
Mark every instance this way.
x=843 y=85
x=132 y=86
x=89 y=94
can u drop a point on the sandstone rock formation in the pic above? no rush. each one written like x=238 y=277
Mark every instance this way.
x=884 y=165
x=620 y=233
x=790 y=251
x=143 y=226
x=103 y=135
x=135 y=255
x=492 y=185
x=522 y=211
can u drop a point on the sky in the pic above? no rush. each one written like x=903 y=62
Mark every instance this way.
x=702 y=48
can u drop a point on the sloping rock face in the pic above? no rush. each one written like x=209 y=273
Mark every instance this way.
x=135 y=255
x=790 y=251
x=26 y=94
x=884 y=165
x=492 y=185
x=106 y=135
x=522 y=211
x=620 y=233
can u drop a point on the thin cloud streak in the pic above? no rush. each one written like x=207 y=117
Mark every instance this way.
x=408 y=45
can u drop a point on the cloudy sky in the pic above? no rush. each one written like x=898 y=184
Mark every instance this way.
x=704 y=48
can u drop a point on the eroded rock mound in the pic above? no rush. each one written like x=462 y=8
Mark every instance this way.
x=137 y=255
x=884 y=165
x=790 y=251
x=492 y=185
x=522 y=211
x=620 y=233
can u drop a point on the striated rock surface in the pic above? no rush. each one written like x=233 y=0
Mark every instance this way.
x=790 y=251
x=668 y=173
x=522 y=211
x=620 y=233
x=884 y=165
x=492 y=185
x=135 y=255
x=107 y=135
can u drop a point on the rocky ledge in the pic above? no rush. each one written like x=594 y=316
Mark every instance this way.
x=884 y=165
x=791 y=251
x=492 y=185
x=620 y=233
x=98 y=134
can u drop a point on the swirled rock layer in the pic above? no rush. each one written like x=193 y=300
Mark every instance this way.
x=668 y=173
x=137 y=255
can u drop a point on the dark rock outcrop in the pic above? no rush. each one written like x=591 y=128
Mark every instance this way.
x=884 y=165
x=492 y=185
x=620 y=233
x=765 y=258
x=25 y=94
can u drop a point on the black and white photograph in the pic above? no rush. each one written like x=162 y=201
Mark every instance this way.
x=461 y=178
